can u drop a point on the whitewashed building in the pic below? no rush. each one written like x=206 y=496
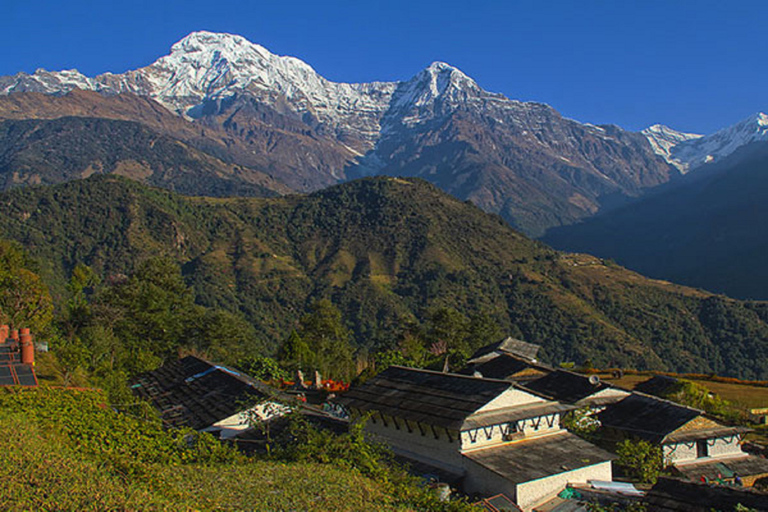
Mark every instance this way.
x=692 y=443
x=492 y=435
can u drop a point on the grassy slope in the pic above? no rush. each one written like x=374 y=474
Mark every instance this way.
x=45 y=466
x=385 y=250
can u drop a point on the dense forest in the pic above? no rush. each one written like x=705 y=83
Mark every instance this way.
x=382 y=269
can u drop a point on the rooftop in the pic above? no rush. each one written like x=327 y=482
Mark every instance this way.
x=566 y=386
x=677 y=495
x=434 y=398
x=506 y=366
x=647 y=417
x=540 y=457
x=12 y=371
x=195 y=393
x=509 y=345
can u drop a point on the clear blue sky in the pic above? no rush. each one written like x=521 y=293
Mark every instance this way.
x=693 y=65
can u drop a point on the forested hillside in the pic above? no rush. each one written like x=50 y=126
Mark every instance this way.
x=406 y=264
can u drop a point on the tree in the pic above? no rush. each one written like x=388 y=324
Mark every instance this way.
x=152 y=313
x=24 y=298
x=295 y=353
x=640 y=459
x=328 y=339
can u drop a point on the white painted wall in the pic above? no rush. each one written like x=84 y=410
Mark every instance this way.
x=510 y=398
x=436 y=452
x=686 y=452
x=240 y=422
x=533 y=493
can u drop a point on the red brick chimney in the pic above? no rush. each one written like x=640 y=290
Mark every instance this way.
x=27 y=347
x=4 y=331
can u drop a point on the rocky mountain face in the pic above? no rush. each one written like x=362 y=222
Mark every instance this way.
x=277 y=115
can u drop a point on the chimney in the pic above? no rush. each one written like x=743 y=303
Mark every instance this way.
x=27 y=347
x=4 y=333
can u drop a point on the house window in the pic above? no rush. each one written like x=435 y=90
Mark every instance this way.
x=702 y=450
x=510 y=431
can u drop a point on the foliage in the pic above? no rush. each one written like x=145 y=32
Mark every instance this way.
x=64 y=451
x=24 y=298
x=352 y=451
x=694 y=395
x=385 y=253
x=640 y=459
x=581 y=422
x=262 y=368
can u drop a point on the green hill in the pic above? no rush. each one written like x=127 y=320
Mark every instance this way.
x=387 y=251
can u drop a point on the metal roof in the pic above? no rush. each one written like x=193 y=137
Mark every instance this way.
x=12 y=371
x=540 y=457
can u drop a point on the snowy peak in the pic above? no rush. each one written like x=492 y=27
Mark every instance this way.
x=663 y=139
x=687 y=151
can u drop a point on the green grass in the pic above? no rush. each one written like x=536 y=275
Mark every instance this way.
x=64 y=451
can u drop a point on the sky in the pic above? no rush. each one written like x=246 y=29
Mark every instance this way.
x=696 y=66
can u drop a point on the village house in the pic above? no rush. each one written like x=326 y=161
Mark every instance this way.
x=17 y=357
x=693 y=444
x=195 y=393
x=509 y=359
x=491 y=435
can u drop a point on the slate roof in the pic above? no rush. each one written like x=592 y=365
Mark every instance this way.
x=440 y=399
x=510 y=345
x=677 y=495
x=658 y=385
x=195 y=393
x=539 y=457
x=505 y=366
x=565 y=386
x=647 y=417
x=12 y=371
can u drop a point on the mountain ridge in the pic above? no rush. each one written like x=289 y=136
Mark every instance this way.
x=386 y=251
x=501 y=147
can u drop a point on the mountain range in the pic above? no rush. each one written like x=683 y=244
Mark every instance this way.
x=275 y=115
x=221 y=116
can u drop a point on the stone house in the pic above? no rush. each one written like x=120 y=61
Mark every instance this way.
x=492 y=436
x=692 y=443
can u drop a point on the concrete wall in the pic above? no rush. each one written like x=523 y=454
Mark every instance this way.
x=438 y=452
x=481 y=480
x=530 y=494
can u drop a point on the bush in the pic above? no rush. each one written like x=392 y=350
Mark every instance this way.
x=640 y=459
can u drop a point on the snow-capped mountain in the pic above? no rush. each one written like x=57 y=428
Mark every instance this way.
x=520 y=159
x=664 y=138
x=688 y=151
